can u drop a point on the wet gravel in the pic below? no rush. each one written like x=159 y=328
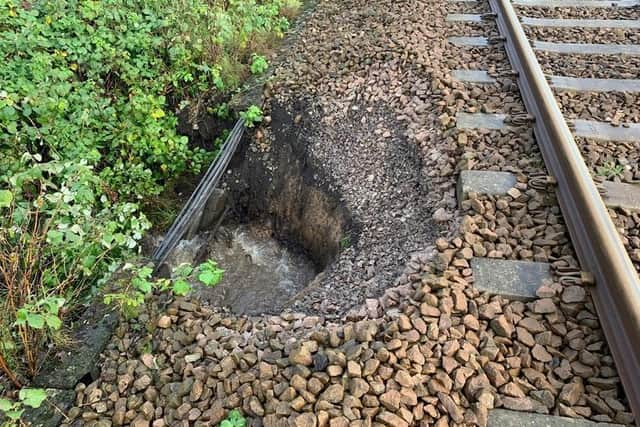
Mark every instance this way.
x=431 y=350
x=380 y=179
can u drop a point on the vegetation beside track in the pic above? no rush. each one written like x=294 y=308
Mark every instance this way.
x=88 y=94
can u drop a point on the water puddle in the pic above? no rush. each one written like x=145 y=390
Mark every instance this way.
x=261 y=274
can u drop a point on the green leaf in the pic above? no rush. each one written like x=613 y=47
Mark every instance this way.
x=53 y=321
x=211 y=277
x=6 y=197
x=14 y=414
x=236 y=418
x=226 y=423
x=143 y=285
x=89 y=261
x=183 y=270
x=206 y=277
x=181 y=287
x=32 y=396
x=5 y=405
x=21 y=316
x=145 y=272
x=55 y=237
x=35 y=320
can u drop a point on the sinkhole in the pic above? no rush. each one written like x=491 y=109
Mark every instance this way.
x=274 y=224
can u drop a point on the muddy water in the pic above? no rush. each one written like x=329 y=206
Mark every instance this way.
x=261 y=274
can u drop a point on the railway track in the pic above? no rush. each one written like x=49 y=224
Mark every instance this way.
x=576 y=64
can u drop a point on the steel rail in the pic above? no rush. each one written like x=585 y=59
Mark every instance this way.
x=200 y=195
x=594 y=236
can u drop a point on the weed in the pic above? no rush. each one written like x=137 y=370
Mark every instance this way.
x=345 y=242
x=13 y=410
x=209 y=273
x=234 y=419
x=259 y=64
x=252 y=116
x=55 y=242
x=221 y=111
x=134 y=289
x=610 y=170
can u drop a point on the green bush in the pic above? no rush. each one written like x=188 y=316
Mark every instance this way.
x=88 y=134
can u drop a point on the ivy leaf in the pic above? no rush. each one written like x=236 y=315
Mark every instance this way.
x=181 y=287
x=32 y=396
x=6 y=197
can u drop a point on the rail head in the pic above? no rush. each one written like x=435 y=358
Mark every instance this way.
x=594 y=236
